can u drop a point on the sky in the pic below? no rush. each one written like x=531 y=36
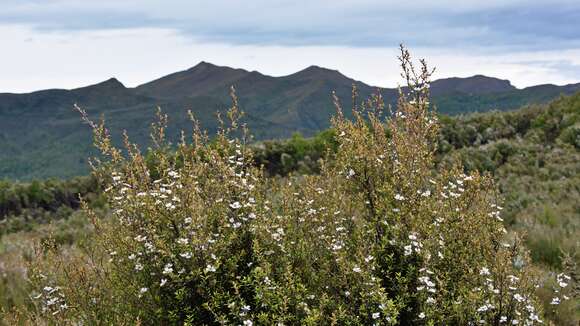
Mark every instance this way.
x=72 y=43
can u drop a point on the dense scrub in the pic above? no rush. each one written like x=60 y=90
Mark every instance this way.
x=378 y=236
x=24 y=205
x=533 y=155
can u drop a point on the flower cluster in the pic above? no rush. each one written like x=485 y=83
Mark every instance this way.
x=52 y=300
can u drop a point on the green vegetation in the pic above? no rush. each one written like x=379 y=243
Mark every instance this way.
x=534 y=156
x=382 y=220
x=41 y=136
x=25 y=205
x=532 y=153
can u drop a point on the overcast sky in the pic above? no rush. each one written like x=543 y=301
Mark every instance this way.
x=71 y=43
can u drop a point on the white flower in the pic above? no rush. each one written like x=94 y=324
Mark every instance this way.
x=350 y=173
x=248 y=322
x=564 y=276
x=422 y=315
x=138 y=267
x=182 y=241
x=502 y=319
x=163 y=281
x=430 y=300
x=140 y=238
x=399 y=197
x=168 y=269
x=149 y=246
x=376 y=315
x=562 y=284
x=210 y=268
x=356 y=269
x=186 y=255
x=483 y=308
x=236 y=205
x=51 y=301
x=555 y=301
x=484 y=271
x=170 y=206
x=518 y=297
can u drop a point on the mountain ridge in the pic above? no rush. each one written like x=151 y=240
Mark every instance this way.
x=312 y=68
x=42 y=136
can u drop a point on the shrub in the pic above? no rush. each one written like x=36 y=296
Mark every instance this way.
x=378 y=237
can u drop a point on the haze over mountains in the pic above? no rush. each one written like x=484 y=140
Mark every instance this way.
x=42 y=136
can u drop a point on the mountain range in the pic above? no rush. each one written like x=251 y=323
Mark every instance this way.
x=42 y=136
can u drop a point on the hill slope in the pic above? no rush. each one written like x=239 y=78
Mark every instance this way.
x=41 y=135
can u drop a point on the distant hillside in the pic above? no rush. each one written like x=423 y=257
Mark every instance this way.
x=476 y=85
x=41 y=136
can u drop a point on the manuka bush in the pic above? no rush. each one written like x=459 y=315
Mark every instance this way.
x=377 y=237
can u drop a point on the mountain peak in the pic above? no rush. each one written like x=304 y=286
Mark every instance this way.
x=317 y=72
x=204 y=65
x=107 y=85
x=112 y=82
x=315 y=68
x=201 y=79
x=477 y=84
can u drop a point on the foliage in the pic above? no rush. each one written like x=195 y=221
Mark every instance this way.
x=22 y=205
x=295 y=155
x=379 y=236
x=529 y=152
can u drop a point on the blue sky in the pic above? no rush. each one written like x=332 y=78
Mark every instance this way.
x=69 y=43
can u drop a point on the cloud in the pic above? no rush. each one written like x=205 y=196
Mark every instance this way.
x=488 y=25
x=83 y=42
x=566 y=68
x=138 y=55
